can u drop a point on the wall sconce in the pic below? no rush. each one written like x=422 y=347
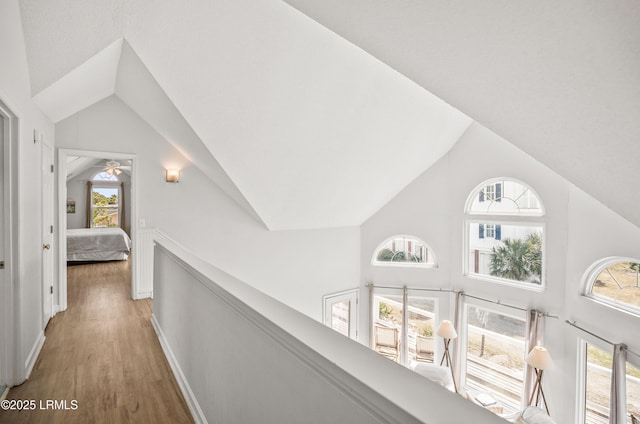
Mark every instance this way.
x=173 y=175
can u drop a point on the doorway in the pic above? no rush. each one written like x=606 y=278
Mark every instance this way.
x=96 y=193
x=10 y=339
x=47 y=233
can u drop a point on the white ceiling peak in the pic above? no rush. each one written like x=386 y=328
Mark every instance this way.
x=85 y=85
x=560 y=80
x=302 y=128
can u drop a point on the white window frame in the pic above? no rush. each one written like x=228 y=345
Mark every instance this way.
x=464 y=336
x=353 y=297
x=431 y=263
x=490 y=193
x=490 y=231
x=98 y=184
x=502 y=218
x=403 y=356
x=589 y=279
x=493 y=279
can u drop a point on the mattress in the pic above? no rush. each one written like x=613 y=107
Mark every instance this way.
x=97 y=244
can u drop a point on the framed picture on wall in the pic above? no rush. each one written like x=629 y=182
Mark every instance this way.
x=71 y=206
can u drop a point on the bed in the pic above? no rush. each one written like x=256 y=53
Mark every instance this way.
x=98 y=244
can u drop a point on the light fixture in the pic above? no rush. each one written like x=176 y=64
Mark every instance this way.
x=447 y=332
x=112 y=167
x=173 y=175
x=540 y=359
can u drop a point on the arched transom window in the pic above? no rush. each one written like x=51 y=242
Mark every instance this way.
x=616 y=282
x=505 y=234
x=404 y=251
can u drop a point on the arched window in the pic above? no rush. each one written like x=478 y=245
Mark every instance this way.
x=615 y=282
x=105 y=176
x=105 y=200
x=505 y=234
x=404 y=251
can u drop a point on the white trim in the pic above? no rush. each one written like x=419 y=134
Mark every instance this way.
x=433 y=261
x=33 y=355
x=491 y=181
x=589 y=278
x=296 y=336
x=581 y=381
x=62 y=216
x=350 y=295
x=144 y=276
x=11 y=337
x=504 y=281
x=189 y=397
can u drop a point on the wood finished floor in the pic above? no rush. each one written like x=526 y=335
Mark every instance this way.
x=104 y=353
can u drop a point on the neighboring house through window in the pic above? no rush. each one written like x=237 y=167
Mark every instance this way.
x=505 y=234
x=404 y=251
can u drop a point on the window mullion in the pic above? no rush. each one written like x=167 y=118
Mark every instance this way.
x=404 y=344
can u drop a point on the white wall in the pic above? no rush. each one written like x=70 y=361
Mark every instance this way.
x=15 y=92
x=253 y=359
x=578 y=231
x=295 y=267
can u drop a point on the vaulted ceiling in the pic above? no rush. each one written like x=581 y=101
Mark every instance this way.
x=317 y=119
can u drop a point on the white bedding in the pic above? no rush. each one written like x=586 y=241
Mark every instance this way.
x=97 y=244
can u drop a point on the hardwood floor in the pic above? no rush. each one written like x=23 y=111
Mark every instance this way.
x=103 y=353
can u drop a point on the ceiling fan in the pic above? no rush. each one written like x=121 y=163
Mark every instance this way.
x=112 y=167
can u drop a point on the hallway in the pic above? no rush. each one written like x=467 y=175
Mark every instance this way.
x=103 y=353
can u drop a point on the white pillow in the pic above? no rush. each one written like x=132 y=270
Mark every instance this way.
x=534 y=415
x=435 y=373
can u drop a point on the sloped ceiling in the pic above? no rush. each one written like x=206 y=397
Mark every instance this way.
x=560 y=80
x=312 y=131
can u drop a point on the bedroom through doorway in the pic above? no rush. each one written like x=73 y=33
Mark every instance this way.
x=96 y=196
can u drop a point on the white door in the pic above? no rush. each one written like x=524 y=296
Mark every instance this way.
x=47 y=234
x=5 y=292
x=341 y=312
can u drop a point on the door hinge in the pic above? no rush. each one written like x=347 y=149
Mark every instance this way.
x=51 y=168
x=1 y=264
x=51 y=291
x=51 y=229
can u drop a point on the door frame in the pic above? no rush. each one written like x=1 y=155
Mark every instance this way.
x=62 y=217
x=47 y=294
x=11 y=373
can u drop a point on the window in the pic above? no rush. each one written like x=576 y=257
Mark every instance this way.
x=404 y=251
x=495 y=356
x=105 y=195
x=414 y=343
x=105 y=176
x=633 y=391
x=598 y=385
x=616 y=282
x=341 y=312
x=505 y=234
x=597 y=391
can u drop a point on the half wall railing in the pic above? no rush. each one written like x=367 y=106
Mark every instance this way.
x=242 y=357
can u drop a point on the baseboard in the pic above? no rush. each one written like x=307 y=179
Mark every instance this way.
x=144 y=295
x=33 y=355
x=56 y=309
x=192 y=402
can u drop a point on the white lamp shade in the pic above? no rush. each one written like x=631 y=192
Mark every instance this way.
x=446 y=330
x=539 y=358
